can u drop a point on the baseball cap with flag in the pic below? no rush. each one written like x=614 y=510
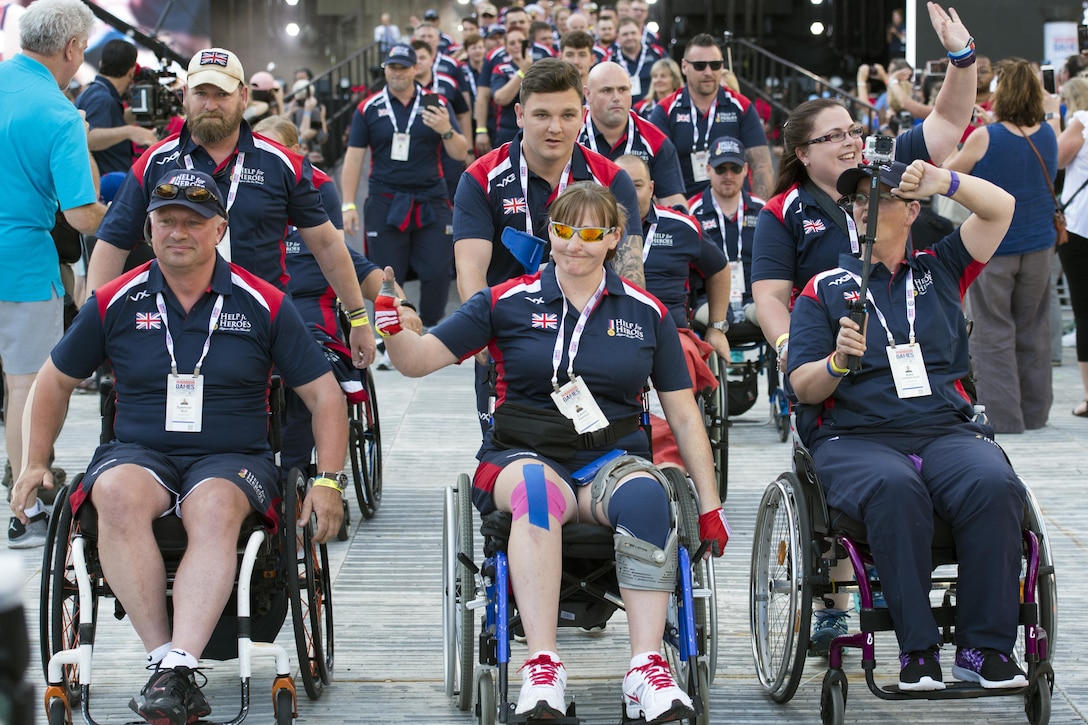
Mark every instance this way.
x=217 y=66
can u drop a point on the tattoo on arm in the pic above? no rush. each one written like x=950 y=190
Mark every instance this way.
x=759 y=159
x=628 y=260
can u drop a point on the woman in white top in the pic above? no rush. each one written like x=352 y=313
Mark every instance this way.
x=1073 y=157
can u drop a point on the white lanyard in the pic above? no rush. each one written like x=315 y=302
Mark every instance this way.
x=213 y=322
x=411 y=116
x=591 y=137
x=641 y=62
x=576 y=337
x=649 y=242
x=471 y=75
x=721 y=225
x=524 y=168
x=911 y=309
x=695 y=125
x=235 y=176
x=852 y=228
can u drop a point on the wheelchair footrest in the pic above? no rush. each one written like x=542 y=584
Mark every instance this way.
x=514 y=719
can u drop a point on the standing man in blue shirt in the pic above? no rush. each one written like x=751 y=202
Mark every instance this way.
x=113 y=132
x=46 y=166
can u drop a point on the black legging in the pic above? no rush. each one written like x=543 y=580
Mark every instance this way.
x=1074 y=256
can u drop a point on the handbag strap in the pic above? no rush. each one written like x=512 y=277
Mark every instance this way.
x=1074 y=195
x=1046 y=174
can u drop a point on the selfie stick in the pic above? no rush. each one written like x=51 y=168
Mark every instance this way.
x=728 y=36
x=857 y=307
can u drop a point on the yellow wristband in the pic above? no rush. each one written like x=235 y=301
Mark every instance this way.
x=347 y=207
x=481 y=130
x=835 y=368
x=520 y=73
x=327 y=483
x=781 y=338
x=360 y=321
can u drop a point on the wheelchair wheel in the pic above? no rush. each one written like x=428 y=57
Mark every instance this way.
x=715 y=407
x=57 y=713
x=706 y=611
x=1037 y=700
x=284 y=707
x=59 y=609
x=781 y=595
x=1046 y=591
x=486 y=707
x=310 y=589
x=833 y=698
x=699 y=690
x=365 y=450
x=458 y=587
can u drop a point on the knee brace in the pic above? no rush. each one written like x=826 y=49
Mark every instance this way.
x=604 y=483
x=641 y=565
x=537 y=497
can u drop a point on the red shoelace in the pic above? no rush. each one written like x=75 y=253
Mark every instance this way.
x=657 y=672
x=542 y=670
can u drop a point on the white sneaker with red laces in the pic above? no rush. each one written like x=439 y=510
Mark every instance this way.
x=544 y=681
x=650 y=692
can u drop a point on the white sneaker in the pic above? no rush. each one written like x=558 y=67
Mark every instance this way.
x=544 y=681
x=650 y=692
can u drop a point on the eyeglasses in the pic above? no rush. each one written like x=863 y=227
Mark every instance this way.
x=193 y=193
x=852 y=201
x=837 y=136
x=586 y=234
x=732 y=168
x=701 y=65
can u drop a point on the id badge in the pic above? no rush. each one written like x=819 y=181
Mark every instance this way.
x=184 y=403
x=576 y=402
x=698 y=165
x=400 y=147
x=224 y=245
x=908 y=371
x=736 y=282
x=636 y=86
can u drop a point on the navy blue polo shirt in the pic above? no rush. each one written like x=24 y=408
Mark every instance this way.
x=490 y=198
x=742 y=231
x=449 y=87
x=867 y=399
x=444 y=64
x=275 y=192
x=649 y=144
x=734 y=116
x=647 y=56
x=671 y=254
x=102 y=104
x=796 y=239
x=518 y=321
x=258 y=328
x=421 y=174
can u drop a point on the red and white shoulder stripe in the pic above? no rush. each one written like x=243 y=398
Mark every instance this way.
x=115 y=290
x=287 y=157
x=640 y=295
x=265 y=294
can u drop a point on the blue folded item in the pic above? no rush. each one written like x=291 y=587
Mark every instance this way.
x=526 y=248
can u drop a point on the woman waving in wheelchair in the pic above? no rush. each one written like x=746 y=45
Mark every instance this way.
x=574 y=345
x=893 y=438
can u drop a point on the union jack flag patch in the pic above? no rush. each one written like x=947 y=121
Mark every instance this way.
x=852 y=296
x=514 y=206
x=148 y=321
x=813 y=225
x=213 y=57
x=545 y=320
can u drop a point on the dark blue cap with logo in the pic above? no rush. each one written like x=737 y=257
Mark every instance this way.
x=402 y=55
x=182 y=187
x=726 y=150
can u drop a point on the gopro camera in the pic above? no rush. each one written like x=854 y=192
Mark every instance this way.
x=879 y=149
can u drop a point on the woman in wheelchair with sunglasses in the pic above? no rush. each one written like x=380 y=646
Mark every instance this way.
x=574 y=345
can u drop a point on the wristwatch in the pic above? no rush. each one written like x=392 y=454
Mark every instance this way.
x=721 y=325
x=332 y=479
x=447 y=135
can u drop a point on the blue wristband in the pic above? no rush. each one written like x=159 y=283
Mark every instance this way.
x=967 y=50
x=953 y=184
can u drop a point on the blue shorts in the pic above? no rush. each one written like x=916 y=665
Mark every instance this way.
x=255 y=474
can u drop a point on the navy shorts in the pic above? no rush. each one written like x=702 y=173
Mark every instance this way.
x=256 y=475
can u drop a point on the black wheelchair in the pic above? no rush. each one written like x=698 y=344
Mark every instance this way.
x=589 y=596
x=795 y=547
x=288 y=570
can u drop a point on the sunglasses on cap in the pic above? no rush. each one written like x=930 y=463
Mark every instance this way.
x=196 y=194
x=487 y=15
x=701 y=65
x=733 y=168
x=585 y=234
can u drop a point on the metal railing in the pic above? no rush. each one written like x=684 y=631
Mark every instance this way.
x=784 y=85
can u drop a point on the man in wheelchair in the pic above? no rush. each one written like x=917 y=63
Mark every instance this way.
x=192 y=341
x=894 y=441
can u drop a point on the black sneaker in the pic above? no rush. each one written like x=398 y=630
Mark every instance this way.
x=29 y=535
x=988 y=667
x=198 y=704
x=920 y=671
x=166 y=696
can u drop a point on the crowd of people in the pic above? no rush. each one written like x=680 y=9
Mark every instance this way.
x=554 y=164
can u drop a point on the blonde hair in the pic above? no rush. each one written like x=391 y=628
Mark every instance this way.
x=1075 y=94
x=278 y=128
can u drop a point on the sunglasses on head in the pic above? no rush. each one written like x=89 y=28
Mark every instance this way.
x=193 y=193
x=585 y=234
x=722 y=168
x=701 y=65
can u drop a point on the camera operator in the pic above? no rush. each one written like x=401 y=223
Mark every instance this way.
x=308 y=115
x=113 y=129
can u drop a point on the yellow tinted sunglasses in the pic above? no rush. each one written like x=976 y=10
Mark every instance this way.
x=585 y=234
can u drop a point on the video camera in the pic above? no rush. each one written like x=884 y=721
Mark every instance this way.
x=151 y=98
x=879 y=150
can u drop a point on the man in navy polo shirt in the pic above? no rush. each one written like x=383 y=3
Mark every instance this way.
x=267 y=189
x=727 y=215
x=635 y=56
x=192 y=341
x=703 y=110
x=611 y=129
x=505 y=81
x=408 y=217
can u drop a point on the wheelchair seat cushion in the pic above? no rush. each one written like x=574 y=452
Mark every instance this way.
x=169 y=531
x=944 y=545
x=580 y=540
